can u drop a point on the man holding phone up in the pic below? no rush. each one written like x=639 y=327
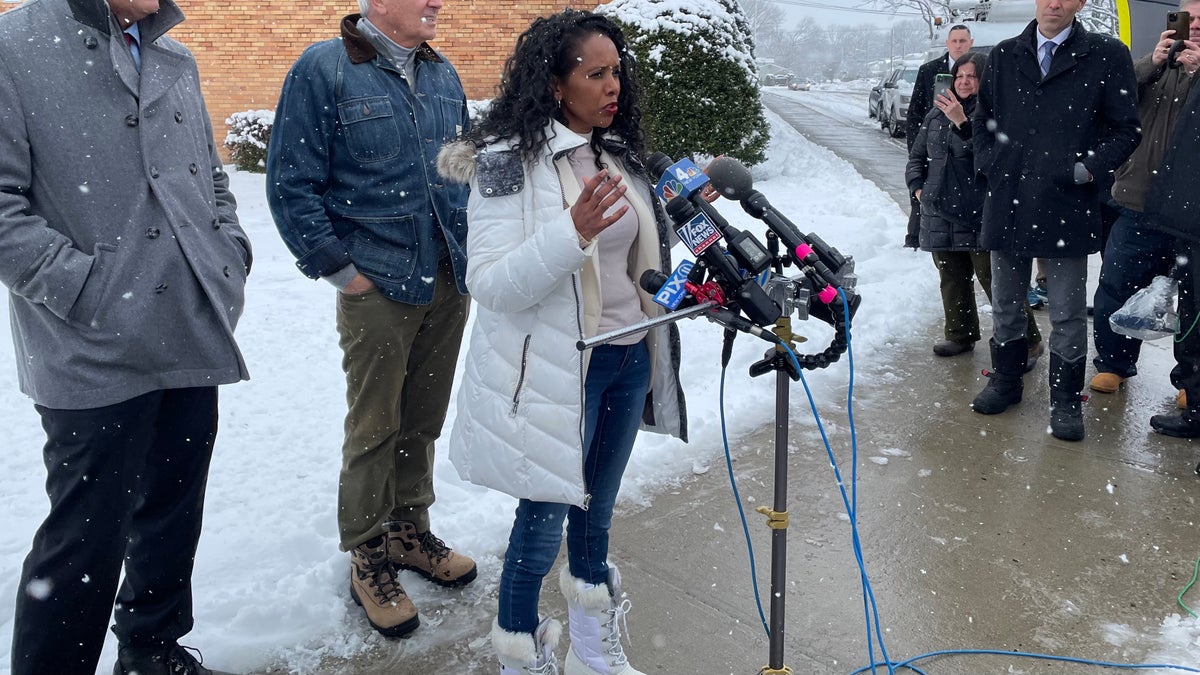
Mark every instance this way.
x=1135 y=253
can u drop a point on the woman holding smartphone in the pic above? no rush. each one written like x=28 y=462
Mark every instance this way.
x=941 y=176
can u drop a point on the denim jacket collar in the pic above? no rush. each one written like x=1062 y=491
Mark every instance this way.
x=360 y=49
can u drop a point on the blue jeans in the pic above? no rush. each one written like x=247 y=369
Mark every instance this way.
x=1133 y=256
x=618 y=378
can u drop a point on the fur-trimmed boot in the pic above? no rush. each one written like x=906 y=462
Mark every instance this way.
x=596 y=618
x=525 y=654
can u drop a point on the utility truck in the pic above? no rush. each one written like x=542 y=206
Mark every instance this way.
x=1138 y=23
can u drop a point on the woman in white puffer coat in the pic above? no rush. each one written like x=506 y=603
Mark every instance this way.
x=562 y=223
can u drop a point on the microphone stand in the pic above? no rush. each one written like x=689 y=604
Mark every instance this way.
x=777 y=515
x=776 y=359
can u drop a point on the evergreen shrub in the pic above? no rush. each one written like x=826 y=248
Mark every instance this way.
x=249 y=132
x=699 y=84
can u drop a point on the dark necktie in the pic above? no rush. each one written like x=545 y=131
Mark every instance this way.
x=1047 y=57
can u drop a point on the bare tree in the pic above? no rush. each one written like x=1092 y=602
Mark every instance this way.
x=929 y=9
x=909 y=37
x=763 y=16
x=1100 y=16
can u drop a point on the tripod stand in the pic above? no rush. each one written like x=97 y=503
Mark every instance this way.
x=780 y=360
x=777 y=515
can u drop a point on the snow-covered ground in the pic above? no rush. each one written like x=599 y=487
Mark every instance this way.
x=270 y=582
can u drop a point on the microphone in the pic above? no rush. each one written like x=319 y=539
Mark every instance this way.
x=685 y=179
x=700 y=236
x=732 y=321
x=669 y=291
x=656 y=283
x=732 y=179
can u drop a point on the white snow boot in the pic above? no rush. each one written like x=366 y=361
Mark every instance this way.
x=596 y=619
x=525 y=654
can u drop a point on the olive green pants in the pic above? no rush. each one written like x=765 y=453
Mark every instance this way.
x=957 y=271
x=399 y=362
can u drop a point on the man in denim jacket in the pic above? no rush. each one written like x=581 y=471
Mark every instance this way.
x=353 y=187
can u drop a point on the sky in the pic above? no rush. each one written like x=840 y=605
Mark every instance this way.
x=271 y=589
x=840 y=12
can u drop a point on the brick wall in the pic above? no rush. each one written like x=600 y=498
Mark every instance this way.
x=244 y=48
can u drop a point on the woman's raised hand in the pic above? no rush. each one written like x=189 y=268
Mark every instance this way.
x=950 y=106
x=599 y=194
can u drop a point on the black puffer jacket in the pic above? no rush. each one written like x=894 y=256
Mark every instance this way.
x=941 y=164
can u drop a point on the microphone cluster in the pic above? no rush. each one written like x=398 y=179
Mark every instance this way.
x=732 y=276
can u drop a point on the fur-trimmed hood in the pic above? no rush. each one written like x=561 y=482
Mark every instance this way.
x=456 y=161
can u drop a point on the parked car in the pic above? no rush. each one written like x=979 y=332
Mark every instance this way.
x=778 y=79
x=876 y=95
x=893 y=101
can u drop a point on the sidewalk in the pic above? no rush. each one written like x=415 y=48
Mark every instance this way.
x=978 y=532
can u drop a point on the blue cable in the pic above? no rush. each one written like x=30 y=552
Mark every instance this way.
x=1030 y=655
x=870 y=607
x=741 y=512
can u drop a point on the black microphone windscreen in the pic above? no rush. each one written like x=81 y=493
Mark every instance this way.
x=652 y=280
x=680 y=210
x=730 y=177
x=657 y=163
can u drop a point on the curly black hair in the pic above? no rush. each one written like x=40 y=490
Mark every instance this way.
x=524 y=103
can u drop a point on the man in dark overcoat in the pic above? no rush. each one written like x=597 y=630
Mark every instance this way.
x=1057 y=113
x=126 y=267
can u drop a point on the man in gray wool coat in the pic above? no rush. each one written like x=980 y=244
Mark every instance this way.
x=125 y=265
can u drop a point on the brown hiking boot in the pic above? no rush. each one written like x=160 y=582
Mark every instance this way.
x=374 y=587
x=427 y=555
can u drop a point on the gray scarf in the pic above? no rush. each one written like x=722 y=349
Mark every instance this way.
x=400 y=56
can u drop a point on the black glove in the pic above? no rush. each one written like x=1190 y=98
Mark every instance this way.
x=910 y=241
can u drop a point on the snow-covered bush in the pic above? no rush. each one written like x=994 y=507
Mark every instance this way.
x=699 y=82
x=247 y=139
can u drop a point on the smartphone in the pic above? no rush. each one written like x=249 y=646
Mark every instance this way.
x=942 y=84
x=1180 y=22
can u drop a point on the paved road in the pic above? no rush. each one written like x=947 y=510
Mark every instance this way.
x=878 y=158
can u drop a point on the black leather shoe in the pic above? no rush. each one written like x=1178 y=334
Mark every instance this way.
x=165 y=660
x=1178 y=426
x=952 y=348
